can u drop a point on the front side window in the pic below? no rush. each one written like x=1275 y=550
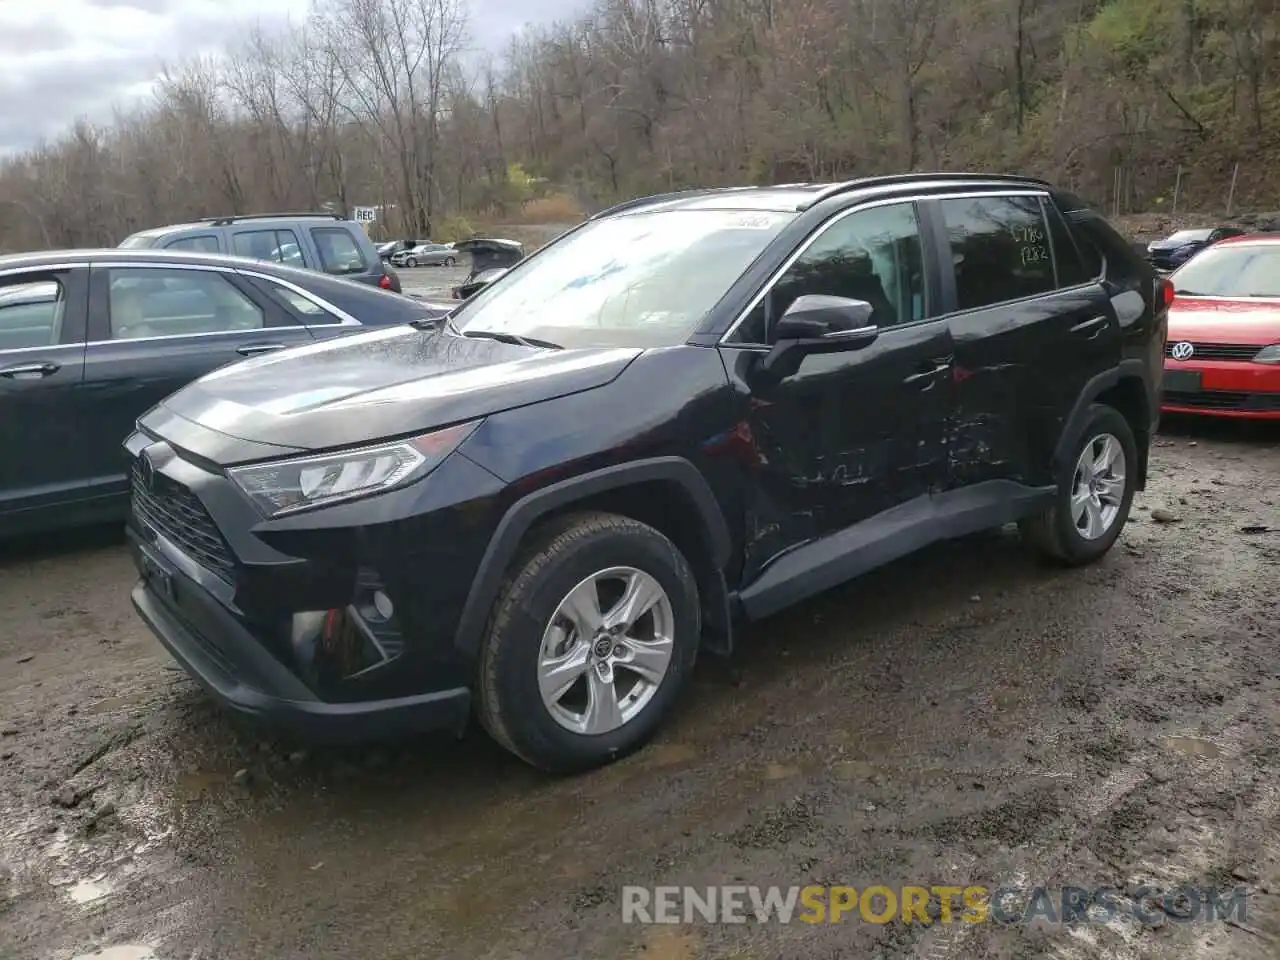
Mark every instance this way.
x=145 y=302
x=1235 y=270
x=31 y=313
x=339 y=252
x=872 y=255
x=645 y=279
x=1000 y=248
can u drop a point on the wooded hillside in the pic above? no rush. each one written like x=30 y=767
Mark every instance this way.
x=369 y=104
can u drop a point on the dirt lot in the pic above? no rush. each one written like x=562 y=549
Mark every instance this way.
x=962 y=717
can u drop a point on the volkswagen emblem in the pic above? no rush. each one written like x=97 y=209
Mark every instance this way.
x=1182 y=351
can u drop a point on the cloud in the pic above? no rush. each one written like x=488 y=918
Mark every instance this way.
x=82 y=58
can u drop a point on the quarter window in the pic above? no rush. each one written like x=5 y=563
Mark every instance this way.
x=31 y=313
x=205 y=243
x=339 y=253
x=1000 y=248
x=175 y=303
x=310 y=311
x=872 y=255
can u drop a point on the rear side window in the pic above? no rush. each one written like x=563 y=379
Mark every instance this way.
x=31 y=313
x=1072 y=270
x=204 y=243
x=278 y=246
x=1000 y=248
x=152 y=302
x=339 y=252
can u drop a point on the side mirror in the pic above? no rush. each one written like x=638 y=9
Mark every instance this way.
x=816 y=323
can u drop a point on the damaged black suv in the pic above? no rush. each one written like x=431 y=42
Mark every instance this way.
x=690 y=411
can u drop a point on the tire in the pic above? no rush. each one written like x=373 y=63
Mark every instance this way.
x=410 y=262
x=527 y=625
x=449 y=261
x=1056 y=534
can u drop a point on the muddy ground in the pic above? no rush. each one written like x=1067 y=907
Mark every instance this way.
x=964 y=716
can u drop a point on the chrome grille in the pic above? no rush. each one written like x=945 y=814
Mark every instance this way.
x=175 y=513
x=1217 y=351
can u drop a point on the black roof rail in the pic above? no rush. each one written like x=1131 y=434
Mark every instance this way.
x=235 y=218
x=890 y=179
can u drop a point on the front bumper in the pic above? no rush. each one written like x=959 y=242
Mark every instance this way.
x=231 y=664
x=1222 y=388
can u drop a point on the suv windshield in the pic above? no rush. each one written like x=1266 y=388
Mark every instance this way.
x=638 y=280
x=1190 y=235
x=1237 y=270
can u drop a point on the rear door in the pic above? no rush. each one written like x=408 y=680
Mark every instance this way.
x=42 y=332
x=155 y=328
x=1030 y=326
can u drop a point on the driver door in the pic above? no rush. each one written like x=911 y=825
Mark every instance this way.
x=154 y=329
x=855 y=433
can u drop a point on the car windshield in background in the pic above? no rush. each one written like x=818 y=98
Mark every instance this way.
x=138 y=240
x=644 y=280
x=1189 y=236
x=1237 y=270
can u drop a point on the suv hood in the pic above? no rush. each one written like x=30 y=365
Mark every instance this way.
x=366 y=387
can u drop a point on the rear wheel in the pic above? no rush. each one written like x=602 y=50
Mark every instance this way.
x=591 y=641
x=449 y=261
x=1095 y=491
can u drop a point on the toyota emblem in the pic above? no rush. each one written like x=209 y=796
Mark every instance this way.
x=146 y=470
x=1182 y=351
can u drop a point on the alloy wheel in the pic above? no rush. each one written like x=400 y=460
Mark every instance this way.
x=1098 y=486
x=606 y=650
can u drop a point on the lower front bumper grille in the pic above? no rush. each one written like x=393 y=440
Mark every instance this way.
x=175 y=513
x=1225 y=400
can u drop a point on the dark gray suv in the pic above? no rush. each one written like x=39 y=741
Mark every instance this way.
x=311 y=241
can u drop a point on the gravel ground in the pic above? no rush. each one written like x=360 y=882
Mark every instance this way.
x=435 y=283
x=964 y=716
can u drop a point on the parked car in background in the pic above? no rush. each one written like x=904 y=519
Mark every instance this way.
x=387 y=250
x=314 y=241
x=1223 y=351
x=491 y=257
x=1177 y=248
x=90 y=340
x=686 y=411
x=426 y=255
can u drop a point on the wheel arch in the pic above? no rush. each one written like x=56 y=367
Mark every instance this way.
x=1123 y=388
x=668 y=493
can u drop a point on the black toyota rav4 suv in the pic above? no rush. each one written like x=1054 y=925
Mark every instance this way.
x=688 y=412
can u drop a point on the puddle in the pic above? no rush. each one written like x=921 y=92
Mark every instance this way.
x=87 y=891
x=779 y=771
x=1193 y=747
x=125 y=951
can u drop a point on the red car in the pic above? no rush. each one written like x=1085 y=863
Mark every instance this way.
x=1222 y=357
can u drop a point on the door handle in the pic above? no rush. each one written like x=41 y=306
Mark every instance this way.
x=1092 y=327
x=253 y=349
x=928 y=371
x=30 y=371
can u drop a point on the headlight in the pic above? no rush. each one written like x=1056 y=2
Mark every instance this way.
x=286 y=486
x=1269 y=354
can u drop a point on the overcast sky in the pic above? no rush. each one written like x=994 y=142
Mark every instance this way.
x=60 y=59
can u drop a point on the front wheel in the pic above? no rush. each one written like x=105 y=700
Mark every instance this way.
x=591 y=641
x=449 y=261
x=1095 y=491
x=411 y=262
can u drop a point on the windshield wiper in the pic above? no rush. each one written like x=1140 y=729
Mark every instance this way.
x=504 y=337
